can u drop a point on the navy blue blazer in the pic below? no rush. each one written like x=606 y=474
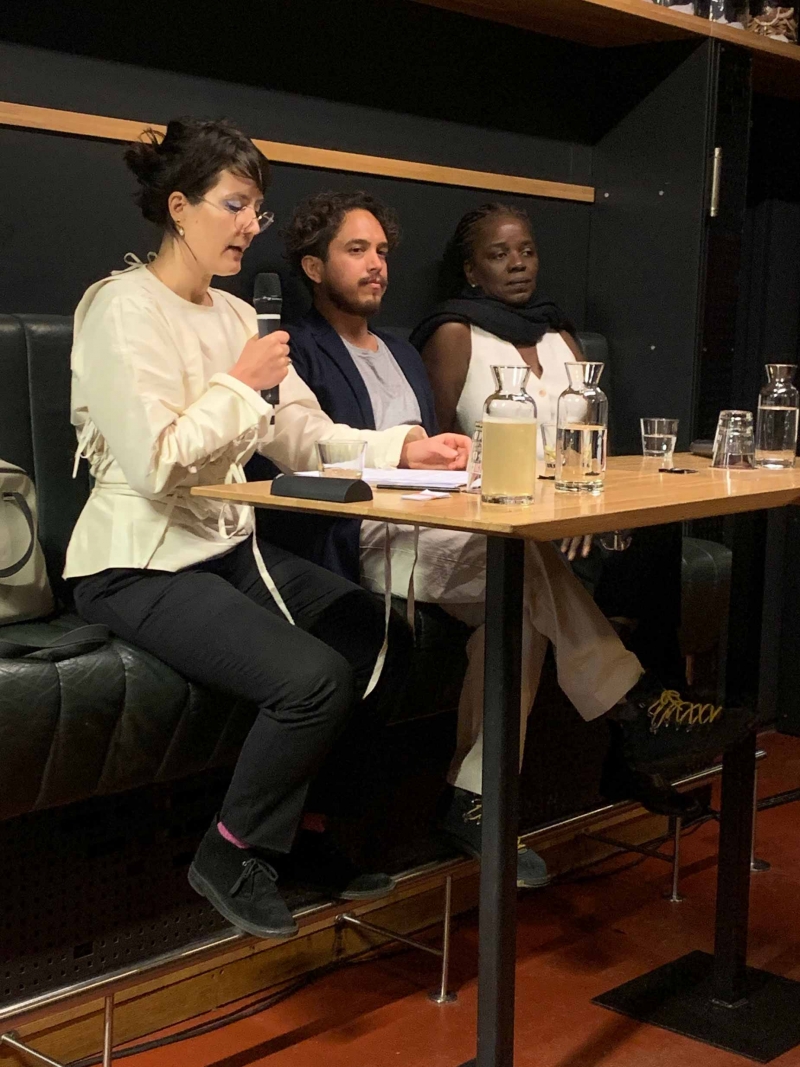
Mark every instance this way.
x=322 y=360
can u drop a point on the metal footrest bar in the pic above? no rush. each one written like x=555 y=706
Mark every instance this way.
x=757 y=866
x=31 y=1008
x=443 y=996
x=653 y=852
x=777 y=799
x=674 y=858
x=13 y=1041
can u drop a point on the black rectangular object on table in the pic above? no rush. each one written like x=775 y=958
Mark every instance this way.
x=337 y=490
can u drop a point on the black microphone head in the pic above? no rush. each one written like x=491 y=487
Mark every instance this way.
x=267 y=287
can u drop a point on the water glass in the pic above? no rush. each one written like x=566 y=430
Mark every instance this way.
x=549 y=433
x=474 y=462
x=341 y=459
x=658 y=439
x=734 y=441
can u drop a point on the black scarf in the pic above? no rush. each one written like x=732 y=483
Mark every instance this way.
x=524 y=325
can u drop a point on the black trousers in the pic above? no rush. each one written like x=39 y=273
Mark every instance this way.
x=217 y=624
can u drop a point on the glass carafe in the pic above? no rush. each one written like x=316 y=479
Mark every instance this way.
x=508 y=461
x=582 y=430
x=776 y=426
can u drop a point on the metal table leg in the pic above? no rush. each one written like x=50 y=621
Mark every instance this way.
x=498 y=886
x=733 y=872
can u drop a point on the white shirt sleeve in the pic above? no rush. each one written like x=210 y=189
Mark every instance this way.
x=133 y=382
x=300 y=422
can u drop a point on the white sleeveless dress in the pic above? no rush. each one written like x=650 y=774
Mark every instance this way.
x=488 y=351
x=449 y=566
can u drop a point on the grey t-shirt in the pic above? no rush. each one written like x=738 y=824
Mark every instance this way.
x=393 y=399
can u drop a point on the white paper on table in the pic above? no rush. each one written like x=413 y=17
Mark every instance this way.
x=448 y=481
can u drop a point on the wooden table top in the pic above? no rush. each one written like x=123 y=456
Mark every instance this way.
x=636 y=494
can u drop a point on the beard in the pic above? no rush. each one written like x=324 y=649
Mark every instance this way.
x=368 y=305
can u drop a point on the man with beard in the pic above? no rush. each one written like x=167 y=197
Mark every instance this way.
x=339 y=243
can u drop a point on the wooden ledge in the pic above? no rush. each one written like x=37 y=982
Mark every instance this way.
x=26 y=116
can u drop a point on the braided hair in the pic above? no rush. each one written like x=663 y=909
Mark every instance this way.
x=461 y=246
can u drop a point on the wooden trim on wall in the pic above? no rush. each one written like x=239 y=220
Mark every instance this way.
x=29 y=117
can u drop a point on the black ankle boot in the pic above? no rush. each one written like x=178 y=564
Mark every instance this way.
x=241 y=886
x=660 y=729
x=316 y=862
x=621 y=781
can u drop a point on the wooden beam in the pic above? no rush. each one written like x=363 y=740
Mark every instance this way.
x=26 y=116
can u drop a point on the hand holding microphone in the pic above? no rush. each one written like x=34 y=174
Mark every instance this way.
x=264 y=361
x=268 y=302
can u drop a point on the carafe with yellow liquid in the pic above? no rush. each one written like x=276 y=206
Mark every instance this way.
x=508 y=463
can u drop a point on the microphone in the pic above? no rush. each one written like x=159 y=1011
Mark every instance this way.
x=268 y=302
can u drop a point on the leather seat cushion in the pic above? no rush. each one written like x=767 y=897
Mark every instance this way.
x=103 y=722
x=705 y=593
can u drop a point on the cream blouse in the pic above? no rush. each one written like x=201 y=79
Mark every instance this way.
x=156 y=412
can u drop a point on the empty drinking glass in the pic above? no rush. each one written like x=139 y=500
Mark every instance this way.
x=475 y=460
x=734 y=442
x=341 y=459
x=658 y=438
x=549 y=433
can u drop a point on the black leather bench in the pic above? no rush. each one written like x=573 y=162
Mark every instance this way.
x=117 y=718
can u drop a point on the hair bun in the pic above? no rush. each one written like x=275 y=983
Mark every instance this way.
x=143 y=157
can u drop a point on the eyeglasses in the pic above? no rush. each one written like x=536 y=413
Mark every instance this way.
x=265 y=219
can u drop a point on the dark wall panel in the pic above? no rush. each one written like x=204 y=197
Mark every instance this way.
x=393 y=56
x=66 y=211
x=647 y=234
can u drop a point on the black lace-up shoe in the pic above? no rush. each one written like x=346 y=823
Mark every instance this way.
x=461 y=825
x=620 y=781
x=241 y=886
x=317 y=863
x=660 y=729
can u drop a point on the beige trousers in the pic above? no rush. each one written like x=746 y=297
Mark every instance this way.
x=595 y=670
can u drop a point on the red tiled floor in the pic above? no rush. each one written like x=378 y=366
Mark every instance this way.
x=575 y=940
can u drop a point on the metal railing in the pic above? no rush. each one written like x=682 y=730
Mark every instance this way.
x=108 y=985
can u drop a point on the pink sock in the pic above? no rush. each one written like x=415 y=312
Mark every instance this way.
x=225 y=832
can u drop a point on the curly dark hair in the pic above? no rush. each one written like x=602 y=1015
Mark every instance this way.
x=461 y=246
x=317 y=219
x=189 y=158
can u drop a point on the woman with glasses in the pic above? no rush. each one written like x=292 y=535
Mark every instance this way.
x=167 y=377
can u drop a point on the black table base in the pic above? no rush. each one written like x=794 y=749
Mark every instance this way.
x=680 y=997
x=719 y=999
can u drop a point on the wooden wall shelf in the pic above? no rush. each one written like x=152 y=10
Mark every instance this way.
x=617 y=23
x=26 y=116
